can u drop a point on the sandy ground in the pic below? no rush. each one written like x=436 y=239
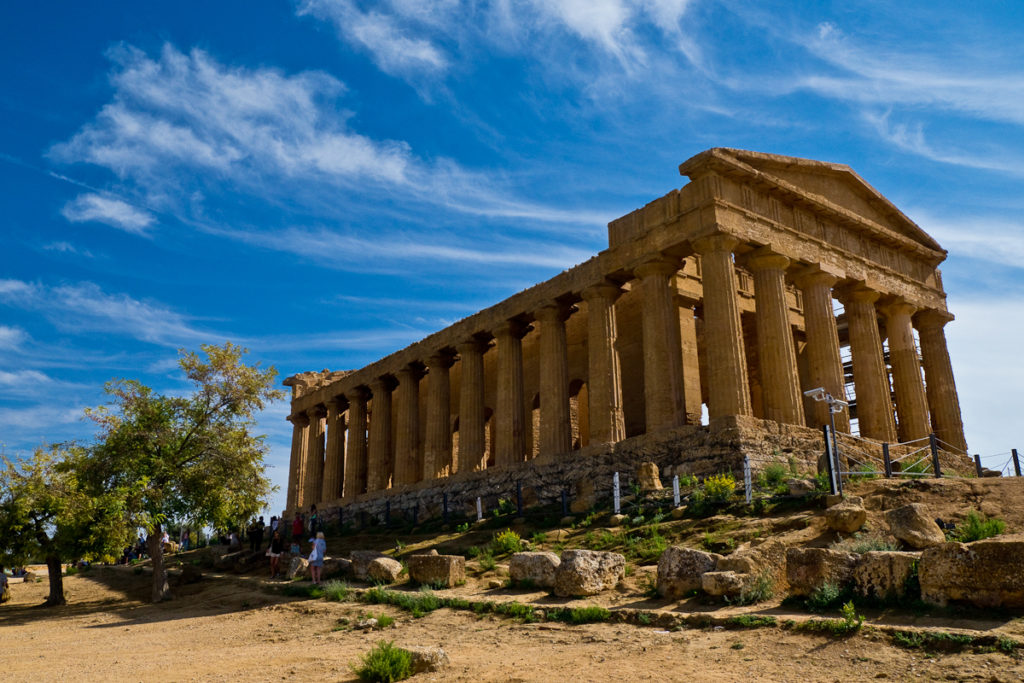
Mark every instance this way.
x=230 y=628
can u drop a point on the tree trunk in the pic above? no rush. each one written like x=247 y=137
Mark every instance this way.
x=56 y=597
x=161 y=591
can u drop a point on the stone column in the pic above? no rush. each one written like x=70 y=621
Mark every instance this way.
x=355 y=456
x=690 y=358
x=663 y=371
x=555 y=427
x=911 y=403
x=408 y=467
x=437 y=451
x=380 y=462
x=315 y=454
x=780 y=382
x=870 y=379
x=300 y=436
x=604 y=378
x=334 y=458
x=509 y=413
x=471 y=406
x=824 y=364
x=938 y=374
x=728 y=388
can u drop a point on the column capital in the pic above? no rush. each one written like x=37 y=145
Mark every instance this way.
x=356 y=394
x=440 y=359
x=717 y=242
x=658 y=265
x=553 y=312
x=808 y=276
x=382 y=383
x=299 y=419
x=408 y=373
x=858 y=293
x=471 y=345
x=511 y=328
x=316 y=412
x=685 y=301
x=932 y=319
x=338 y=403
x=766 y=259
x=898 y=306
x=602 y=290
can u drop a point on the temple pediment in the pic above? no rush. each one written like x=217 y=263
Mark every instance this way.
x=823 y=183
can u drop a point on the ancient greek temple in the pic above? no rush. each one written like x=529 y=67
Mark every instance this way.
x=695 y=332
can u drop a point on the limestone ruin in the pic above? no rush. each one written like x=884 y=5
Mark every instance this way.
x=716 y=299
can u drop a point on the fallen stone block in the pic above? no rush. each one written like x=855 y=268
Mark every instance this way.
x=809 y=568
x=361 y=560
x=427 y=659
x=298 y=567
x=985 y=573
x=914 y=526
x=438 y=570
x=535 y=568
x=588 y=572
x=384 y=570
x=648 y=477
x=847 y=517
x=723 y=584
x=680 y=570
x=884 y=574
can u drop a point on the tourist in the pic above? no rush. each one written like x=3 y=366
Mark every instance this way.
x=233 y=543
x=314 y=520
x=274 y=551
x=273 y=525
x=256 y=535
x=316 y=557
x=186 y=539
x=5 y=592
x=298 y=524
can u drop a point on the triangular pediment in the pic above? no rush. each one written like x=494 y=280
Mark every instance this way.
x=821 y=182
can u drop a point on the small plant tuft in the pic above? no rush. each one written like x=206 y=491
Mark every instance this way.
x=336 y=591
x=975 y=527
x=385 y=663
x=506 y=542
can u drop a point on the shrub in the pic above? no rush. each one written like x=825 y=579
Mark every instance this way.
x=300 y=590
x=336 y=590
x=824 y=597
x=385 y=663
x=462 y=528
x=976 y=527
x=751 y=621
x=538 y=538
x=848 y=625
x=718 y=488
x=687 y=481
x=505 y=542
x=772 y=476
x=487 y=561
x=579 y=615
x=864 y=542
x=757 y=590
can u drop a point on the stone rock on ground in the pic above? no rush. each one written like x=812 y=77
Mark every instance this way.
x=189 y=574
x=883 y=573
x=914 y=526
x=727 y=583
x=299 y=566
x=588 y=572
x=367 y=624
x=427 y=659
x=848 y=516
x=438 y=570
x=648 y=477
x=986 y=573
x=537 y=568
x=800 y=487
x=229 y=561
x=809 y=568
x=764 y=557
x=335 y=567
x=680 y=570
x=384 y=570
x=361 y=560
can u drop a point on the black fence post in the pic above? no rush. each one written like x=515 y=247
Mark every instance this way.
x=887 y=460
x=934 y=445
x=1016 y=461
x=444 y=507
x=519 y=499
x=977 y=464
x=828 y=462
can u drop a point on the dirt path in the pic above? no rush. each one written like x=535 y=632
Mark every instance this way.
x=231 y=628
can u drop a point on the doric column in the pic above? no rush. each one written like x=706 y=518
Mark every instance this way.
x=870 y=379
x=780 y=383
x=690 y=358
x=728 y=389
x=824 y=364
x=334 y=458
x=663 y=372
x=555 y=427
x=509 y=417
x=471 y=406
x=355 y=456
x=911 y=405
x=315 y=454
x=380 y=462
x=437 y=451
x=938 y=374
x=407 y=433
x=604 y=379
x=300 y=435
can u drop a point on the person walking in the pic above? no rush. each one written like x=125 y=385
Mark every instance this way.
x=316 y=558
x=274 y=551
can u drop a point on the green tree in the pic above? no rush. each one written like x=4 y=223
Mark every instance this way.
x=48 y=514
x=186 y=457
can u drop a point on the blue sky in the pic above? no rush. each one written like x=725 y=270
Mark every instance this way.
x=327 y=181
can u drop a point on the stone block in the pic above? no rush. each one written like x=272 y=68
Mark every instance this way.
x=985 y=573
x=723 y=584
x=361 y=560
x=384 y=570
x=914 y=526
x=537 y=568
x=427 y=659
x=809 y=568
x=680 y=570
x=800 y=487
x=765 y=557
x=846 y=517
x=438 y=570
x=298 y=567
x=883 y=574
x=337 y=567
x=648 y=477
x=588 y=572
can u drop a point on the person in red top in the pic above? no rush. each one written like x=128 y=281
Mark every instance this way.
x=298 y=524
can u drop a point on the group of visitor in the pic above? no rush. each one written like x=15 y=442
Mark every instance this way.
x=301 y=524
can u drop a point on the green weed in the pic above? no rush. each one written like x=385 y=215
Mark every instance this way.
x=506 y=542
x=337 y=591
x=751 y=621
x=385 y=663
x=976 y=527
x=866 y=541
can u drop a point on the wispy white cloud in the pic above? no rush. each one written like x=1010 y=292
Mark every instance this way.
x=85 y=307
x=12 y=338
x=975 y=237
x=67 y=248
x=109 y=210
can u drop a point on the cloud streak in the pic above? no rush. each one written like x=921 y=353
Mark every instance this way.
x=109 y=210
